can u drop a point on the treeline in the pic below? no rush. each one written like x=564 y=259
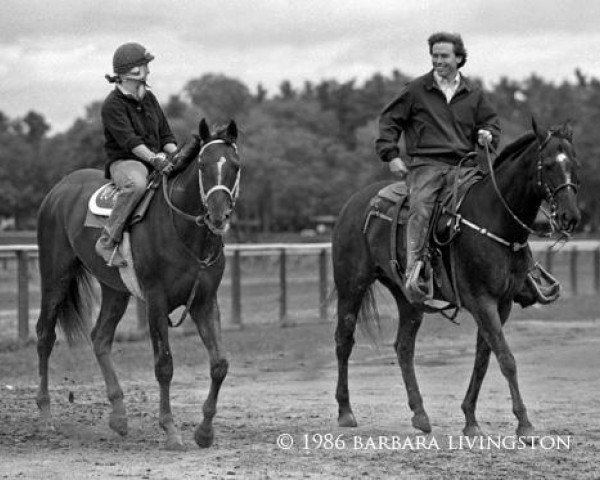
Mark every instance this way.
x=304 y=150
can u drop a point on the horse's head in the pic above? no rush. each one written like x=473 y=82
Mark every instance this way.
x=557 y=173
x=219 y=175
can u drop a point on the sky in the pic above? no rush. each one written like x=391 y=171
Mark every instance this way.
x=54 y=53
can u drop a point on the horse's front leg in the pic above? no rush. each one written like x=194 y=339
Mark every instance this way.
x=482 y=361
x=163 y=366
x=490 y=327
x=207 y=318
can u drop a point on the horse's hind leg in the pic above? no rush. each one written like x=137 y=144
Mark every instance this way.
x=347 y=311
x=57 y=269
x=112 y=309
x=408 y=327
x=208 y=322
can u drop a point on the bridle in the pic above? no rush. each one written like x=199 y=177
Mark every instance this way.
x=233 y=193
x=203 y=219
x=548 y=193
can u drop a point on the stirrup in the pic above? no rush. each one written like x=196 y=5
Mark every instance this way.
x=545 y=294
x=418 y=289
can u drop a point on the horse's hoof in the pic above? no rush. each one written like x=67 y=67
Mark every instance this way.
x=175 y=443
x=347 y=420
x=204 y=437
x=118 y=423
x=421 y=422
x=472 y=431
x=526 y=433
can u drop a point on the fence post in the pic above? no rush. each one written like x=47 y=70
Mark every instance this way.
x=573 y=270
x=597 y=270
x=282 y=286
x=23 y=293
x=549 y=259
x=323 y=284
x=236 y=290
x=140 y=310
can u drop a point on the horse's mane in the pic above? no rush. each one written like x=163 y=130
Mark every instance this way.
x=514 y=149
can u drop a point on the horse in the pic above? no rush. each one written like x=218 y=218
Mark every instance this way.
x=179 y=260
x=490 y=265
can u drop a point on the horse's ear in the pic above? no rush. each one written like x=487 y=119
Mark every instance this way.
x=536 y=129
x=232 y=131
x=204 y=131
x=567 y=130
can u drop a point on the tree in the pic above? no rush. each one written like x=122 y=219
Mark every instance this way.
x=221 y=97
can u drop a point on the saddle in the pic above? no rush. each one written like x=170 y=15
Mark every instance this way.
x=391 y=204
x=103 y=200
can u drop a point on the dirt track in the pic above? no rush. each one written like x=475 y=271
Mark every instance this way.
x=282 y=381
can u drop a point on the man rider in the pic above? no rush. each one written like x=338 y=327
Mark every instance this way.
x=443 y=116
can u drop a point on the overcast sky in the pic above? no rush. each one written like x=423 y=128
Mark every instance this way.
x=54 y=53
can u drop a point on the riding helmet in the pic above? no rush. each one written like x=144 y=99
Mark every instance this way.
x=130 y=55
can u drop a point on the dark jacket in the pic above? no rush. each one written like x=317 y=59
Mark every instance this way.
x=128 y=123
x=434 y=128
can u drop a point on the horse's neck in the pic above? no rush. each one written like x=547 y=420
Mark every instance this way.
x=516 y=182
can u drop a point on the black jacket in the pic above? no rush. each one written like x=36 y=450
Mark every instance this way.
x=433 y=127
x=128 y=123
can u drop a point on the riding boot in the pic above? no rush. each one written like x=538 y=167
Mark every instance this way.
x=419 y=278
x=108 y=243
x=539 y=286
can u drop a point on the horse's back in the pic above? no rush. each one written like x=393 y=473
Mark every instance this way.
x=72 y=191
x=352 y=215
x=65 y=206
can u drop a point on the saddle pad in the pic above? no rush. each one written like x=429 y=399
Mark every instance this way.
x=103 y=200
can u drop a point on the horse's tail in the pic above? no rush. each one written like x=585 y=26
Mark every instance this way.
x=368 y=318
x=77 y=306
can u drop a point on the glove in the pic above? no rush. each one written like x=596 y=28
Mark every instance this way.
x=160 y=162
x=398 y=167
x=484 y=137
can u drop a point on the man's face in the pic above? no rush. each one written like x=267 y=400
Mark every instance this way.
x=444 y=61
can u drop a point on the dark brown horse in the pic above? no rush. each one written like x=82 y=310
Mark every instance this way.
x=177 y=249
x=539 y=165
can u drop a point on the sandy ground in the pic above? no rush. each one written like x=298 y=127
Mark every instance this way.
x=282 y=381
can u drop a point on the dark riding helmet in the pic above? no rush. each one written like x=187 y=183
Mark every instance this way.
x=130 y=55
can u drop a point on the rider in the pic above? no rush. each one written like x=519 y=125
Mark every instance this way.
x=138 y=140
x=443 y=115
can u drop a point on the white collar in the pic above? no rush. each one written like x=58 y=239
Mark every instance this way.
x=442 y=81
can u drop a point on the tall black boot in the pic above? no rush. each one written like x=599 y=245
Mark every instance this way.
x=419 y=279
x=107 y=244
